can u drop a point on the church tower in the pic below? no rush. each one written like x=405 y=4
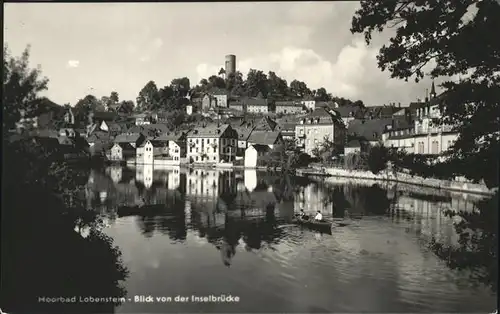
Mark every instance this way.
x=433 y=91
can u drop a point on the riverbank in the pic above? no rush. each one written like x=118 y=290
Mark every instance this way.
x=449 y=185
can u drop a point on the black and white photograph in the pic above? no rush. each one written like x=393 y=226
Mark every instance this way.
x=250 y=157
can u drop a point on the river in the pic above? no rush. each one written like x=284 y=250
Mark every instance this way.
x=230 y=233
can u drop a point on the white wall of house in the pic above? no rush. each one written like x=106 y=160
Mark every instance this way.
x=221 y=100
x=214 y=149
x=313 y=135
x=309 y=104
x=116 y=152
x=288 y=109
x=144 y=155
x=424 y=144
x=251 y=156
x=351 y=150
x=189 y=110
x=257 y=109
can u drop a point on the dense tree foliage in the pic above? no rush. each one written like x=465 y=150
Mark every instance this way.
x=51 y=244
x=21 y=87
x=378 y=156
x=453 y=38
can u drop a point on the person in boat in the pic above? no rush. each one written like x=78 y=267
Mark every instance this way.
x=302 y=215
x=318 y=217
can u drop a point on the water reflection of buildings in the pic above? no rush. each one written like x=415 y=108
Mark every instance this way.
x=313 y=198
x=426 y=216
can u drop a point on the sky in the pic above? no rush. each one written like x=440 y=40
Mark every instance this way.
x=96 y=48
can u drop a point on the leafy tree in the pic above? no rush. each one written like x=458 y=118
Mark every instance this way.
x=148 y=97
x=21 y=86
x=235 y=83
x=127 y=106
x=378 y=156
x=435 y=31
x=181 y=86
x=256 y=82
x=215 y=81
x=49 y=255
x=299 y=88
x=322 y=95
x=203 y=82
x=84 y=107
x=276 y=86
x=114 y=97
x=222 y=72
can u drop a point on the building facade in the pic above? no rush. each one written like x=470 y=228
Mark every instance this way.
x=288 y=107
x=212 y=144
x=318 y=126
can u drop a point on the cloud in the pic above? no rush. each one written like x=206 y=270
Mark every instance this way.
x=353 y=70
x=73 y=63
x=145 y=49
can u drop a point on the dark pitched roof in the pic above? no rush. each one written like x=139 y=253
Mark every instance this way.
x=156 y=127
x=353 y=143
x=105 y=115
x=261 y=148
x=170 y=136
x=347 y=111
x=288 y=103
x=264 y=138
x=209 y=131
x=244 y=132
x=127 y=138
x=218 y=91
x=324 y=116
x=255 y=102
x=126 y=146
x=99 y=136
x=371 y=130
x=114 y=127
x=266 y=124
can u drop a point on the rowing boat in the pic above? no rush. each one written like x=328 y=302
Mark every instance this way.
x=323 y=226
x=144 y=210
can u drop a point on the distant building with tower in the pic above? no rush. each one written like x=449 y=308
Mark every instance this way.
x=230 y=64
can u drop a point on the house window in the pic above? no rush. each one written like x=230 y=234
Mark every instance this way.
x=215 y=158
x=197 y=158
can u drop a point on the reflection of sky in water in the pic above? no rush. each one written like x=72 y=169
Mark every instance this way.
x=377 y=263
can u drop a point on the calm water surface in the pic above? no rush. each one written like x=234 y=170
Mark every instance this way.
x=228 y=232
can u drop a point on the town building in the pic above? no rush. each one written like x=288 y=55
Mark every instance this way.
x=320 y=125
x=122 y=152
x=132 y=137
x=369 y=131
x=174 y=147
x=221 y=98
x=212 y=143
x=141 y=119
x=352 y=147
x=244 y=130
x=427 y=135
x=147 y=151
x=256 y=105
x=237 y=105
x=309 y=103
x=347 y=112
x=253 y=155
x=268 y=138
x=288 y=107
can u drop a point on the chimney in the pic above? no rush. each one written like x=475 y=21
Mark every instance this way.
x=399 y=105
